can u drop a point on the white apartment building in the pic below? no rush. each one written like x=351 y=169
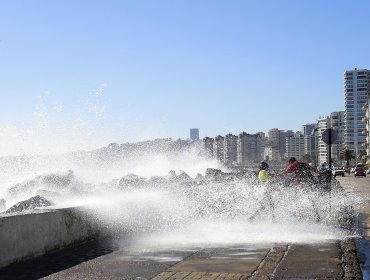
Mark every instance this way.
x=248 y=148
x=277 y=142
x=218 y=147
x=337 y=124
x=295 y=146
x=322 y=147
x=367 y=131
x=207 y=143
x=356 y=92
x=230 y=149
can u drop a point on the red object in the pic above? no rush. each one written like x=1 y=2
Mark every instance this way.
x=360 y=172
x=301 y=172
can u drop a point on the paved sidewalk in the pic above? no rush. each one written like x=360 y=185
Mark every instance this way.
x=320 y=261
x=330 y=260
x=360 y=186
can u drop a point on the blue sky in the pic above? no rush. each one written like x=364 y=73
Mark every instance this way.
x=81 y=74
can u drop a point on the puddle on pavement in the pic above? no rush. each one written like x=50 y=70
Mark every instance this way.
x=363 y=252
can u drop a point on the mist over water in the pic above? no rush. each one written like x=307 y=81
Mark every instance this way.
x=136 y=196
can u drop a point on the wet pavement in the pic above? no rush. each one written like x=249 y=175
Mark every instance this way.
x=360 y=186
x=336 y=259
x=275 y=261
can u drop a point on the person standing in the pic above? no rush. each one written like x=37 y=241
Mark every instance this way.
x=302 y=172
x=266 y=204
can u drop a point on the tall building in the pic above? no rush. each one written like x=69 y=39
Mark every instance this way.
x=337 y=124
x=356 y=93
x=309 y=128
x=310 y=146
x=248 y=148
x=230 y=149
x=295 y=146
x=367 y=131
x=194 y=134
x=208 y=146
x=322 y=147
x=310 y=141
x=263 y=139
x=218 y=147
x=276 y=142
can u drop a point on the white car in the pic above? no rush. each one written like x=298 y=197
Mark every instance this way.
x=338 y=171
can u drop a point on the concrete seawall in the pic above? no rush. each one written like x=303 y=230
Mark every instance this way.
x=40 y=231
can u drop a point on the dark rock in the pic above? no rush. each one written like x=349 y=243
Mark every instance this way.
x=184 y=176
x=157 y=180
x=131 y=181
x=172 y=174
x=58 y=180
x=31 y=203
x=50 y=182
x=212 y=172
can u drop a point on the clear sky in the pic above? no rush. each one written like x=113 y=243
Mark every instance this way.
x=81 y=74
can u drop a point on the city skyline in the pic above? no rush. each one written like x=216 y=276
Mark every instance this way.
x=80 y=76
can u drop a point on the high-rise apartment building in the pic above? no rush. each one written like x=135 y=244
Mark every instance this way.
x=337 y=124
x=263 y=142
x=194 y=134
x=308 y=129
x=310 y=141
x=248 y=149
x=356 y=93
x=367 y=130
x=208 y=146
x=310 y=146
x=322 y=147
x=276 y=142
x=230 y=149
x=295 y=146
x=218 y=147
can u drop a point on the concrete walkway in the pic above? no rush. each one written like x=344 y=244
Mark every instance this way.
x=360 y=187
x=332 y=260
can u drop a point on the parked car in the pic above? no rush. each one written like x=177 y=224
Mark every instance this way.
x=368 y=171
x=359 y=171
x=338 y=171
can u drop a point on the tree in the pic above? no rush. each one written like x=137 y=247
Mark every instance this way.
x=347 y=155
x=362 y=155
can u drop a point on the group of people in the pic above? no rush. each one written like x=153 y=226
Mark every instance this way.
x=302 y=174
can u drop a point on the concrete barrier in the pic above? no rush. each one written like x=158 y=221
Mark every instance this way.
x=33 y=234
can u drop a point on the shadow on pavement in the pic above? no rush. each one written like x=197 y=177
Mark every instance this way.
x=56 y=261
